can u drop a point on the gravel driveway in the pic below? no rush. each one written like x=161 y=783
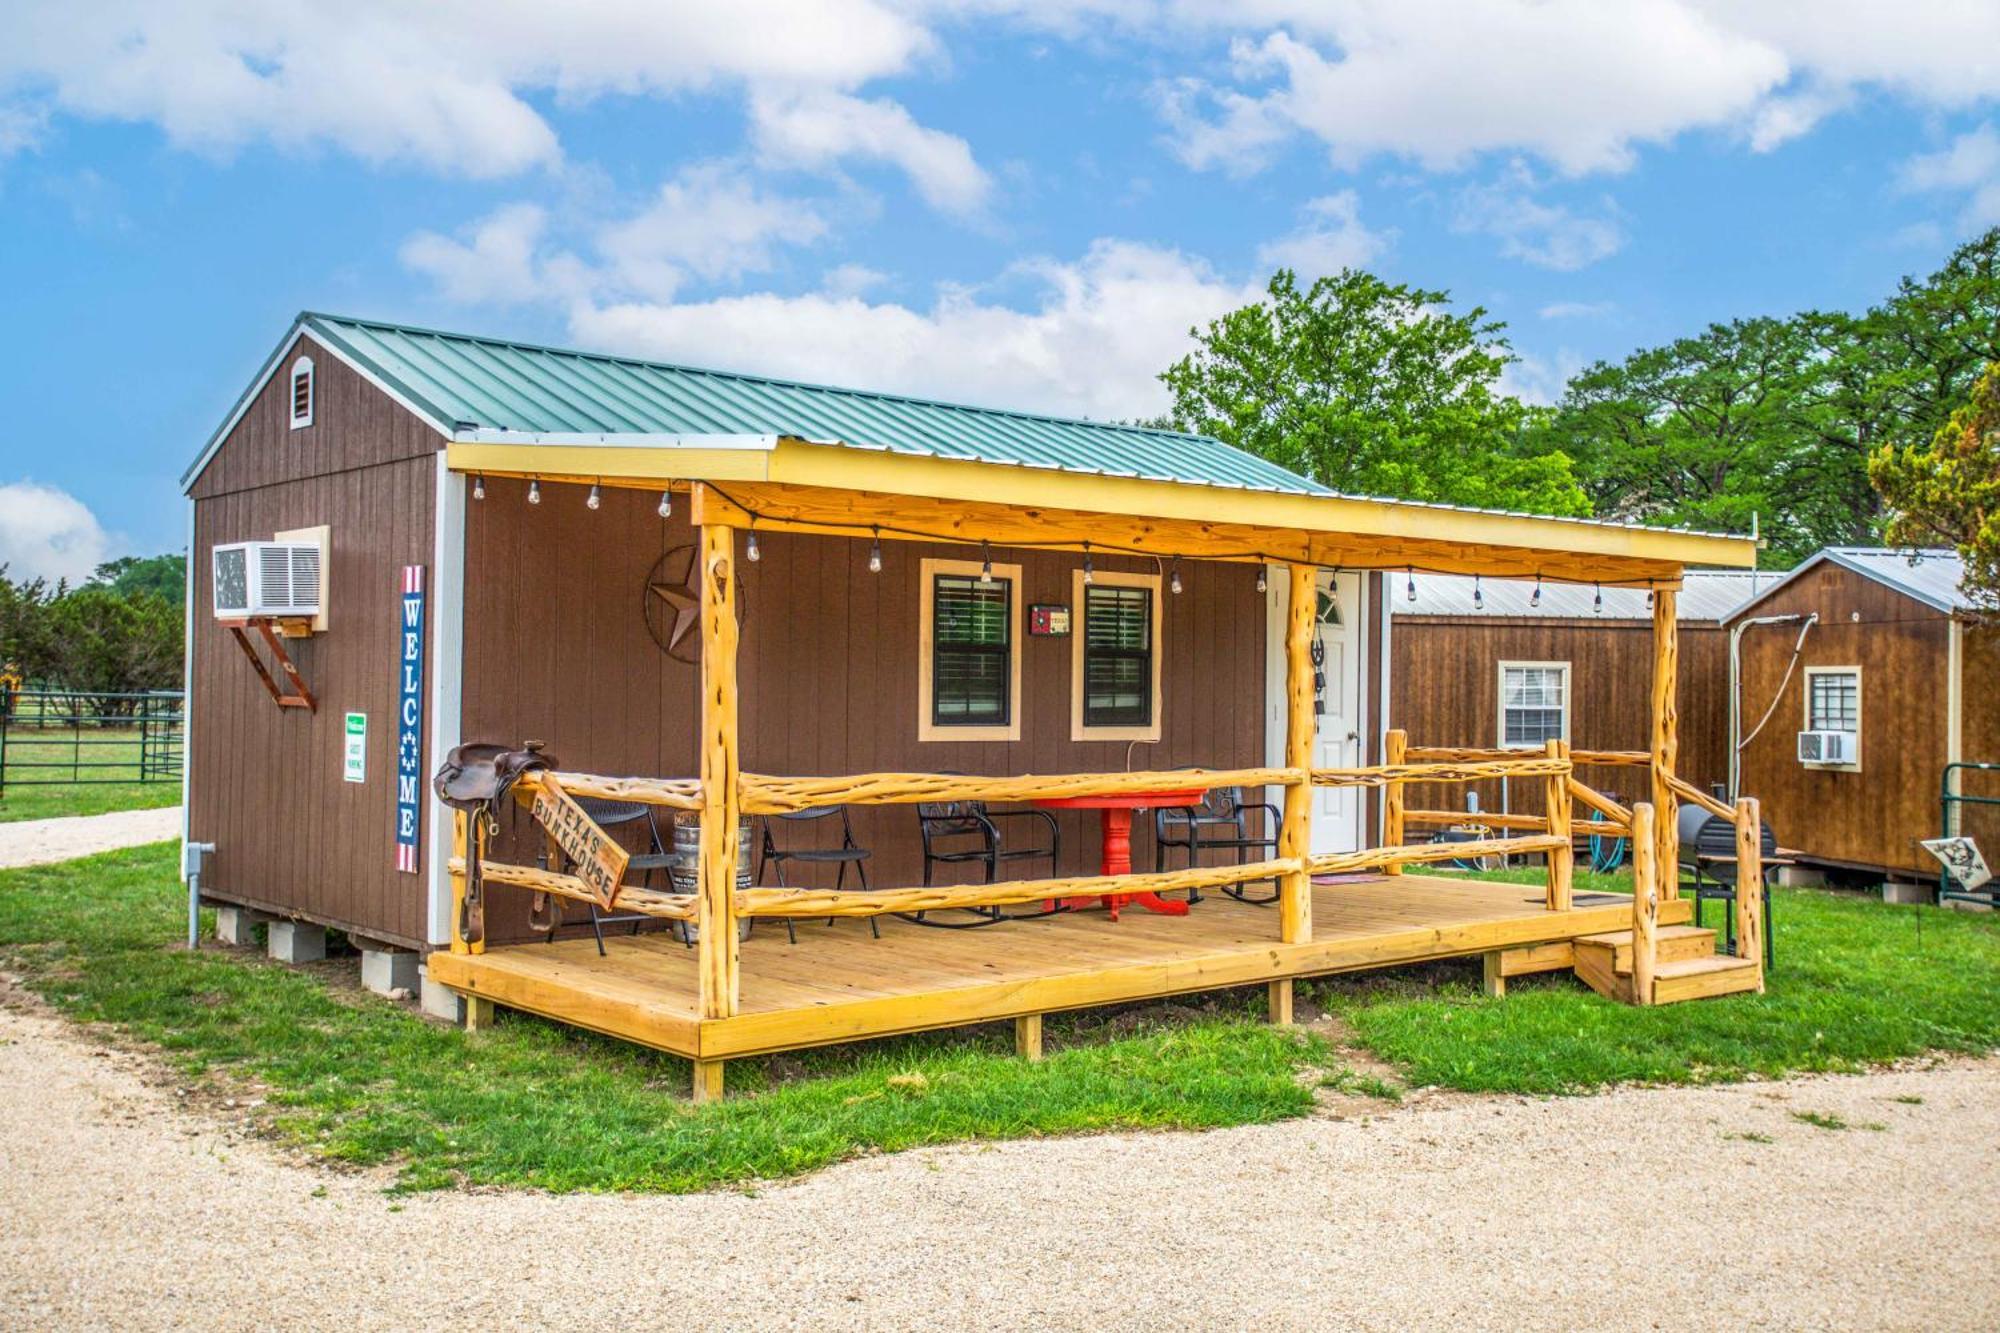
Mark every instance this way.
x=31 y=842
x=1637 y=1208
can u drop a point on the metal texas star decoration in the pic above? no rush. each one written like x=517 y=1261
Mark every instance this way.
x=673 y=604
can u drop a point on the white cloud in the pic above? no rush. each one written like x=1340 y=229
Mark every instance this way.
x=851 y=280
x=1579 y=84
x=1332 y=238
x=820 y=129
x=1541 y=380
x=48 y=533
x=1546 y=235
x=20 y=127
x=498 y=260
x=709 y=220
x=1968 y=165
x=1575 y=309
x=446 y=84
x=1091 y=343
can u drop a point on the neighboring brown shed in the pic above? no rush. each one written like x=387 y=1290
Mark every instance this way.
x=1571 y=661
x=1896 y=663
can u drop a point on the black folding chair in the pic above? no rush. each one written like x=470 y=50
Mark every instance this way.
x=967 y=833
x=1710 y=866
x=848 y=853
x=1220 y=823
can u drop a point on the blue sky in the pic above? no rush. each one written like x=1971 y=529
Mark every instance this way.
x=1020 y=202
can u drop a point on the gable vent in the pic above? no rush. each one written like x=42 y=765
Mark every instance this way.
x=302 y=392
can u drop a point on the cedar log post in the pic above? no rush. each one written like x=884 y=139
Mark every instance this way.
x=1295 y=836
x=1645 y=902
x=715 y=909
x=1666 y=740
x=1395 y=750
x=1750 y=885
x=459 y=820
x=1561 y=858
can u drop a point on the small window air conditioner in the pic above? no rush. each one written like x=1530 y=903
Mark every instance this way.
x=279 y=579
x=1826 y=747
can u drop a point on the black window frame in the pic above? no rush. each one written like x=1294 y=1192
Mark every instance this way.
x=1002 y=651
x=1148 y=599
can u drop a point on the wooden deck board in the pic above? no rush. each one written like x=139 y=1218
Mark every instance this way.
x=840 y=984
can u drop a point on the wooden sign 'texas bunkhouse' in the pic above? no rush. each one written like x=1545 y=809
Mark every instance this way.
x=594 y=858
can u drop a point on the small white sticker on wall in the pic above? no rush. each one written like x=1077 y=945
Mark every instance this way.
x=356 y=764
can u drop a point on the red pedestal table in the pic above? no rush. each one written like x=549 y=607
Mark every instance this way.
x=1115 y=812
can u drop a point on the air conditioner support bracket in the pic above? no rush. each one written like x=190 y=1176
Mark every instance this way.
x=301 y=696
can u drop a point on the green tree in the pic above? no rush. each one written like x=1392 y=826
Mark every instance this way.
x=1371 y=388
x=1928 y=344
x=165 y=575
x=1742 y=419
x=1947 y=491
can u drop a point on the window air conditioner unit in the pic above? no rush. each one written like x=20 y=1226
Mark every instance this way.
x=1826 y=747
x=278 y=579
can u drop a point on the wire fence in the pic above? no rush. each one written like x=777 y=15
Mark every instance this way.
x=52 y=738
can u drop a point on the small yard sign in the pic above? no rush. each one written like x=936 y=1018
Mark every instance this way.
x=594 y=858
x=1960 y=856
x=410 y=719
x=355 y=756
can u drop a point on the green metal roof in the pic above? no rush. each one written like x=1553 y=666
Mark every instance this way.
x=465 y=384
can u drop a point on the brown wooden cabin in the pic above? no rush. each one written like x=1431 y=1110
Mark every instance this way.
x=669 y=577
x=1574 y=662
x=1895 y=659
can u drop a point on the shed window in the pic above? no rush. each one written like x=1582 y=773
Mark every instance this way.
x=302 y=392
x=1534 y=703
x=1833 y=701
x=1115 y=657
x=971 y=664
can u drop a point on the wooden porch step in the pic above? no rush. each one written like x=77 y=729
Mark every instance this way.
x=1675 y=944
x=1701 y=978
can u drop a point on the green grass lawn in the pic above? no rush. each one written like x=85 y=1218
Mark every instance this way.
x=45 y=793
x=357 y=1079
x=1858 y=982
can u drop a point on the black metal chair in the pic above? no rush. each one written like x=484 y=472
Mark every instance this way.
x=609 y=815
x=848 y=853
x=946 y=827
x=1709 y=864
x=1220 y=823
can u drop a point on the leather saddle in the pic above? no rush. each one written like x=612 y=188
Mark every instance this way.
x=477 y=779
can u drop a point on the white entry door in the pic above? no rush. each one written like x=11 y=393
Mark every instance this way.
x=1336 y=811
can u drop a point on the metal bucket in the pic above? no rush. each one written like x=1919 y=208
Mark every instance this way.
x=684 y=870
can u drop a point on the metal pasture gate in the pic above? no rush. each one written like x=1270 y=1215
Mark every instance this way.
x=54 y=738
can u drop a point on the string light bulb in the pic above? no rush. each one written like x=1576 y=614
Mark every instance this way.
x=595 y=500
x=1597 y=603
x=1089 y=574
x=535 y=491
x=875 y=553
x=1535 y=598
x=1478 y=595
x=1411 y=575
x=478 y=487
x=1263 y=578
x=750 y=548
x=1174 y=577
x=666 y=509
x=985 y=564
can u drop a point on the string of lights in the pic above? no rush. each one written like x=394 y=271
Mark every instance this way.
x=873 y=531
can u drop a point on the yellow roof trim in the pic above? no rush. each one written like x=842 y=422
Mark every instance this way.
x=796 y=462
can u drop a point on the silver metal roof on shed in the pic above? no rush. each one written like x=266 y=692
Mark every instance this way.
x=1931 y=575
x=1706 y=595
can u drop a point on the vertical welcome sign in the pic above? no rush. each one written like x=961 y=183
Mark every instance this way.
x=410 y=719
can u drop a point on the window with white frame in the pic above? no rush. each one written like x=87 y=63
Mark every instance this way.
x=302 y=392
x=1833 y=699
x=1534 y=703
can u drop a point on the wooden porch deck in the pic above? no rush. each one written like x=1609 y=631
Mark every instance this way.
x=840 y=984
